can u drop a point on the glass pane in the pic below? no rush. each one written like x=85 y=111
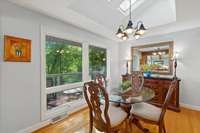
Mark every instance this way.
x=97 y=61
x=63 y=61
x=59 y=98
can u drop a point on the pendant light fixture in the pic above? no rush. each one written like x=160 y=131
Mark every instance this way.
x=138 y=31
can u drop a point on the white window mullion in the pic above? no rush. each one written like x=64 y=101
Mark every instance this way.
x=43 y=74
x=108 y=78
x=85 y=61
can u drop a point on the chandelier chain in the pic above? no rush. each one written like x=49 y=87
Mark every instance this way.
x=130 y=10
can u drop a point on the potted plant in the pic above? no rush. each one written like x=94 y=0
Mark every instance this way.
x=125 y=85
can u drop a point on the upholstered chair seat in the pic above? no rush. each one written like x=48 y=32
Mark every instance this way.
x=116 y=114
x=146 y=111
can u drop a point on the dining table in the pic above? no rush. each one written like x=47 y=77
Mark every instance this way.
x=125 y=99
x=131 y=96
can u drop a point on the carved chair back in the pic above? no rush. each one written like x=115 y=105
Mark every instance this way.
x=168 y=98
x=98 y=113
x=100 y=79
x=137 y=78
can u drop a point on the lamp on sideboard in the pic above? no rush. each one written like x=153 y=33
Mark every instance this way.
x=175 y=58
x=127 y=66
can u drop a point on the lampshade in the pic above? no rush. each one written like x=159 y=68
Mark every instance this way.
x=176 y=55
x=154 y=53
x=141 y=29
x=119 y=33
x=137 y=35
x=125 y=37
x=129 y=28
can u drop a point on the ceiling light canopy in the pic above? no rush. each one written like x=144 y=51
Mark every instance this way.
x=139 y=30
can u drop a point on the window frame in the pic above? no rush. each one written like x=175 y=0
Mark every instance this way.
x=47 y=31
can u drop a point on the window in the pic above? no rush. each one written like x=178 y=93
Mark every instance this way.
x=97 y=61
x=63 y=61
x=62 y=97
x=65 y=66
x=125 y=5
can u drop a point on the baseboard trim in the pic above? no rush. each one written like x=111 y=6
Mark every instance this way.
x=188 y=106
x=35 y=127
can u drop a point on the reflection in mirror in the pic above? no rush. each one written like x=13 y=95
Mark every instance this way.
x=154 y=58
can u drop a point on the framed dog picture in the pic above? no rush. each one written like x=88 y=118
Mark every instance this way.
x=17 y=49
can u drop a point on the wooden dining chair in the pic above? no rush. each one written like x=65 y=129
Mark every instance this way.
x=137 y=78
x=150 y=113
x=105 y=118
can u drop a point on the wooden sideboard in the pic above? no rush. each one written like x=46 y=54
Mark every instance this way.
x=161 y=86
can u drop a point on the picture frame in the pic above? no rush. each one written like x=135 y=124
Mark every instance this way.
x=17 y=49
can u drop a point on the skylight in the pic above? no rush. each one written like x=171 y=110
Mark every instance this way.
x=125 y=5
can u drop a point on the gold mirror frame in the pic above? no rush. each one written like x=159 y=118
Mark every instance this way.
x=171 y=49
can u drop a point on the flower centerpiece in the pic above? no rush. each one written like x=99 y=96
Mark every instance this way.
x=147 y=68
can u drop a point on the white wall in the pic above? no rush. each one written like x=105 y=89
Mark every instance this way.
x=1 y=47
x=20 y=85
x=188 y=44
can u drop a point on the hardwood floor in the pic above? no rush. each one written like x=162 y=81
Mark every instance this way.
x=187 y=121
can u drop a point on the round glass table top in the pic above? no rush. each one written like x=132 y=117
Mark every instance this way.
x=131 y=96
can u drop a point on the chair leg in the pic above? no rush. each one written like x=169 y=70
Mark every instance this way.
x=139 y=125
x=164 y=128
x=91 y=124
x=130 y=126
x=91 y=127
x=160 y=128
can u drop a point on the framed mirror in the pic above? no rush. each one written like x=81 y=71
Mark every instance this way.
x=153 y=57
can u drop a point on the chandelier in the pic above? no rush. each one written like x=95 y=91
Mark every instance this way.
x=123 y=33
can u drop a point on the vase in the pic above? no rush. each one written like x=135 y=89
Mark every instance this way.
x=147 y=74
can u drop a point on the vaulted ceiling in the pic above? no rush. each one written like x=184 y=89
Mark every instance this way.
x=103 y=17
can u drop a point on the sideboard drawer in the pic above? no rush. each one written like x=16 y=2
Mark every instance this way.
x=148 y=81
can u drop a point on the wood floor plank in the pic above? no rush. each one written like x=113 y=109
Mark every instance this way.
x=187 y=121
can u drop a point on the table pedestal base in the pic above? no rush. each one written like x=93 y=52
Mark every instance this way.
x=132 y=120
x=139 y=125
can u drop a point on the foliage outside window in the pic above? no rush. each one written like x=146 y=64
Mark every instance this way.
x=97 y=61
x=63 y=61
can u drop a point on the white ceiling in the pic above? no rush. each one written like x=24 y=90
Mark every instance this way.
x=101 y=16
